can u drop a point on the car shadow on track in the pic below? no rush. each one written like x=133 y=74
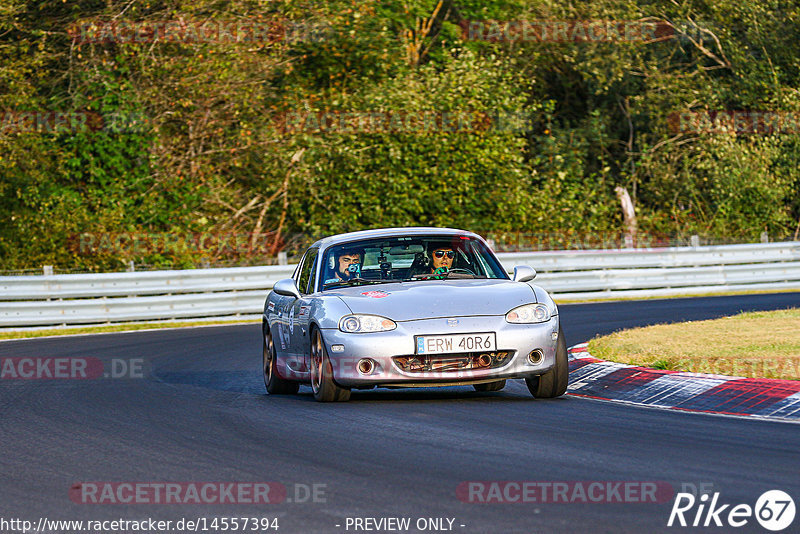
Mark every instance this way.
x=250 y=383
x=512 y=393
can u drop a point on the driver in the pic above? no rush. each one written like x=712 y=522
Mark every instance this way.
x=347 y=265
x=442 y=258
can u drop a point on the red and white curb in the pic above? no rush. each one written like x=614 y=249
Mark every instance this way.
x=676 y=390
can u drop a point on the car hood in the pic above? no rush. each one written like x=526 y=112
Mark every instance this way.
x=431 y=299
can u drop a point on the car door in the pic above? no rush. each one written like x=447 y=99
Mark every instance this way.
x=300 y=310
x=281 y=308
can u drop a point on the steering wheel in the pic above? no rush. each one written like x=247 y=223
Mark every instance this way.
x=459 y=269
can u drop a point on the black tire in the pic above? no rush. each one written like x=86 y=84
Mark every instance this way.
x=275 y=384
x=554 y=382
x=490 y=386
x=322 y=384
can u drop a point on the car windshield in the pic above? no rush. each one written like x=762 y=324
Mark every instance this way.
x=403 y=259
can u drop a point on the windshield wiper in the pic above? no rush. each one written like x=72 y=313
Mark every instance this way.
x=450 y=275
x=356 y=281
x=427 y=276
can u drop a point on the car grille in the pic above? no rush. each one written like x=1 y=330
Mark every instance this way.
x=464 y=361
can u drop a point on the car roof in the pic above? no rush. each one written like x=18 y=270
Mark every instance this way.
x=390 y=232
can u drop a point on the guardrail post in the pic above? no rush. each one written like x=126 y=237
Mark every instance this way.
x=131 y=267
x=764 y=237
x=695 y=241
x=47 y=270
x=283 y=259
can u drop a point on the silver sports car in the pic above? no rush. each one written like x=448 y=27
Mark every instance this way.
x=409 y=307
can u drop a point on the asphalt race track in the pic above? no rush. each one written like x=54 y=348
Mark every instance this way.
x=200 y=414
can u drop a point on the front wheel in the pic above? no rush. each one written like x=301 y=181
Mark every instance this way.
x=325 y=389
x=275 y=384
x=554 y=382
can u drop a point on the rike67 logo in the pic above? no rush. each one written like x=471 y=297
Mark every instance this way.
x=774 y=510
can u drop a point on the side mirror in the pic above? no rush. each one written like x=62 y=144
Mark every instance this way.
x=523 y=273
x=287 y=288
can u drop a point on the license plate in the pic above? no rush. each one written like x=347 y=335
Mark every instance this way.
x=456 y=343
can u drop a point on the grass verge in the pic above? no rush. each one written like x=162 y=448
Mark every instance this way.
x=753 y=344
x=122 y=327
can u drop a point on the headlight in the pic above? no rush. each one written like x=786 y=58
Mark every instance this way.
x=365 y=323
x=529 y=313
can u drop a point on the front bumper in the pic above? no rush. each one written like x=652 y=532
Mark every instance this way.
x=382 y=347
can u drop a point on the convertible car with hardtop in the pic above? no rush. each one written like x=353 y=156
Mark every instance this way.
x=409 y=307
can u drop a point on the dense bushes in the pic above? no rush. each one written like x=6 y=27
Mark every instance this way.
x=191 y=138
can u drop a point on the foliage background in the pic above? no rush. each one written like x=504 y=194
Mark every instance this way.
x=209 y=157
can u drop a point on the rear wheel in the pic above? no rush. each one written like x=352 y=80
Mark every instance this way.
x=275 y=384
x=554 y=382
x=490 y=386
x=325 y=389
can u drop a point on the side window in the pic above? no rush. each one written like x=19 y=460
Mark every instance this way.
x=307 y=272
x=312 y=279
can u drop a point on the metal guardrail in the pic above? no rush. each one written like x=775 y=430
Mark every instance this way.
x=70 y=286
x=239 y=292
